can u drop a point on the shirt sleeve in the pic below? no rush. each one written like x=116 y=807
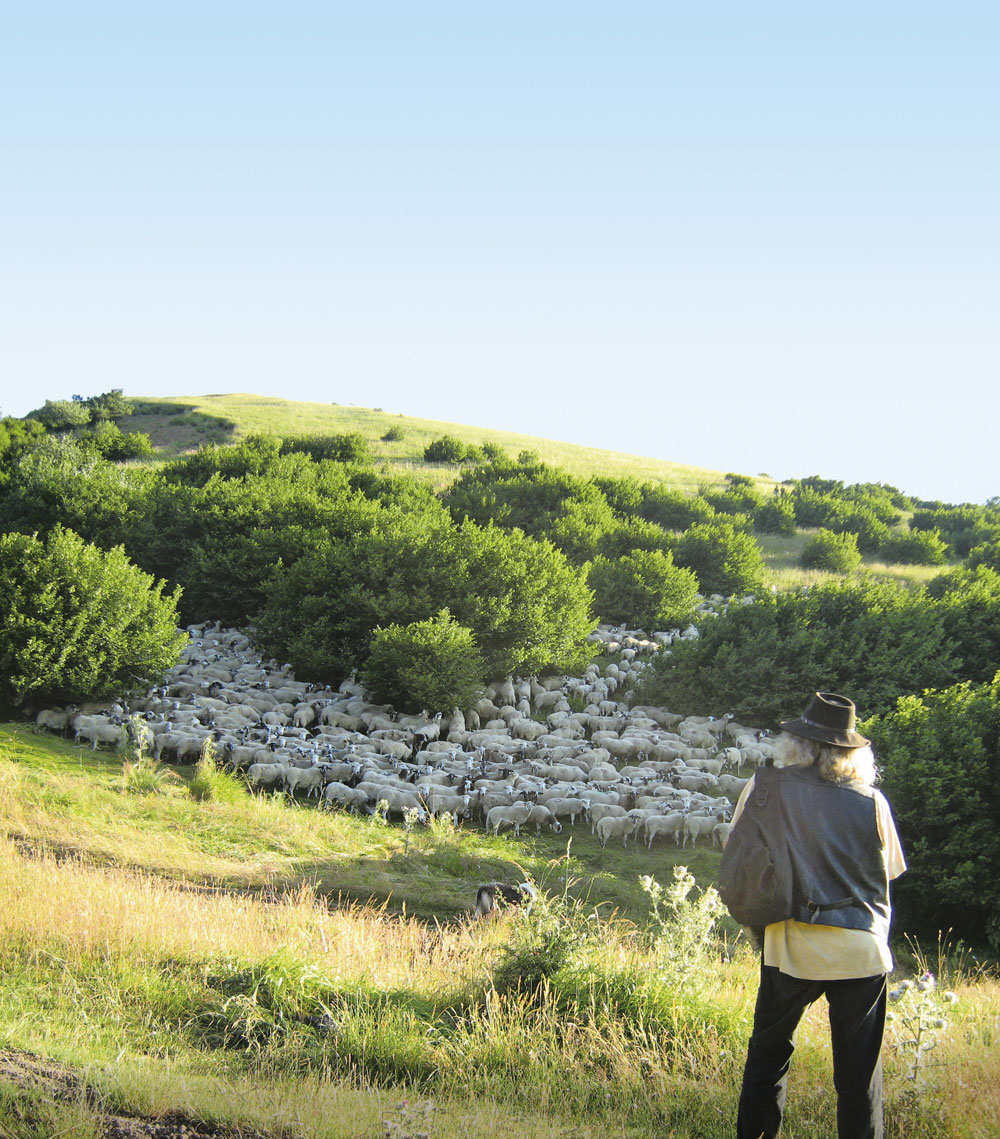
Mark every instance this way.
x=892 y=848
x=744 y=795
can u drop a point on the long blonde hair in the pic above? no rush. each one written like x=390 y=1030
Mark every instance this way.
x=836 y=764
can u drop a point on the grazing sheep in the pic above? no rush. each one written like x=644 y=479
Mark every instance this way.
x=614 y=828
x=514 y=814
x=669 y=824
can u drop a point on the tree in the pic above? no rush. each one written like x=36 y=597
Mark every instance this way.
x=643 y=588
x=432 y=664
x=826 y=550
x=726 y=560
x=938 y=758
x=80 y=623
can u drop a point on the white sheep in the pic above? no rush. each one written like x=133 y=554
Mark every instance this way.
x=669 y=824
x=600 y=811
x=614 y=828
x=513 y=814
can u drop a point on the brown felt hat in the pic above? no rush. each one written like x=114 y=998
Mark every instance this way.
x=828 y=718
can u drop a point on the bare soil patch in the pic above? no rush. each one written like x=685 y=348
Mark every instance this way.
x=59 y=1083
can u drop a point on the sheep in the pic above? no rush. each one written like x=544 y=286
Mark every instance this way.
x=615 y=827
x=670 y=824
x=540 y=815
x=55 y=719
x=439 y=801
x=695 y=826
x=340 y=793
x=604 y=811
x=309 y=778
x=265 y=774
x=563 y=807
x=98 y=729
x=514 y=814
x=720 y=834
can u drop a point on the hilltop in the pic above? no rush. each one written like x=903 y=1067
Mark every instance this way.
x=178 y=424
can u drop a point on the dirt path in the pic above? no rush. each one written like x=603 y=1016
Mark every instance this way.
x=59 y=1083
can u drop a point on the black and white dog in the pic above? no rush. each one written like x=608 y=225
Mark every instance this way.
x=492 y=895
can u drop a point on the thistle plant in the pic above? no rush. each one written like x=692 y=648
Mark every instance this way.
x=920 y=1020
x=684 y=924
x=410 y=1120
x=410 y=817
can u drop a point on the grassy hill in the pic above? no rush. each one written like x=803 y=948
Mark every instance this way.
x=186 y=962
x=182 y=423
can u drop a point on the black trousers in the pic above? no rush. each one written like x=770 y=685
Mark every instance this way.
x=857 y=1021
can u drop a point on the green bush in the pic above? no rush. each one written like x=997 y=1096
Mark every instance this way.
x=969 y=605
x=62 y=414
x=349 y=448
x=79 y=623
x=872 y=640
x=432 y=664
x=393 y=435
x=673 y=510
x=829 y=551
x=775 y=516
x=725 y=559
x=110 y=442
x=938 y=758
x=447 y=449
x=914 y=547
x=644 y=589
x=986 y=554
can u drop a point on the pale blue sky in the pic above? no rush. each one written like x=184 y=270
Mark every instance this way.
x=751 y=237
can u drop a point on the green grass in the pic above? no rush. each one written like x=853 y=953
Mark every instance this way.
x=189 y=954
x=229 y=418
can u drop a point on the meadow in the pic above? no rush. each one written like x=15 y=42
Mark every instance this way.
x=230 y=418
x=262 y=967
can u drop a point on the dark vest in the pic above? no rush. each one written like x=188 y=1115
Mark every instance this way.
x=836 y=853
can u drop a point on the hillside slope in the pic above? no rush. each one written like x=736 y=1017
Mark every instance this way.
x=177 y=424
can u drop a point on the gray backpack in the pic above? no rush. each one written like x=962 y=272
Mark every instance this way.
x=755 y=876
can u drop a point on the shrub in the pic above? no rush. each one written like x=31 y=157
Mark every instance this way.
x=110 y=406
x=432 y=664
x=740 y=497
x=350 y=448
x=939 y=771
x=725 y=559
x=393 y=435
x=673 y=510
x=915 y=547
x=447 y=449
x=775 y=516
x=108 y=440
x=62 y=414
x=643 y=588
x=829 y=551
x=987 y=554
x=79 y=622
x=871 y=640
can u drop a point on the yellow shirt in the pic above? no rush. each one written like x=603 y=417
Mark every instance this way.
x=816 y=952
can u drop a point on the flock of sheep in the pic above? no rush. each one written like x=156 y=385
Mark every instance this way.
x=533 y=752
